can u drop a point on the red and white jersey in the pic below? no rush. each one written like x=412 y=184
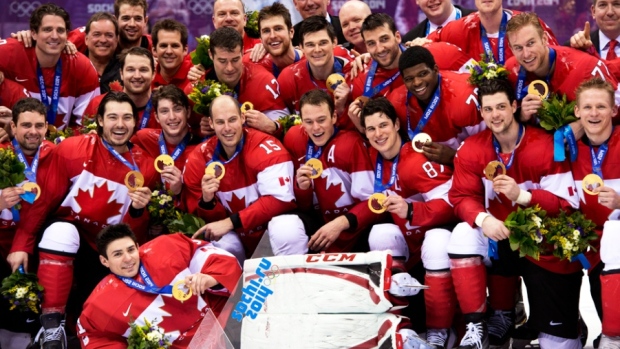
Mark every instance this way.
x=267 y=61
x=344 y=185
x=104 y=322
x=588 y=204
x=449 y=57
x=78 y=85
x=259 y=87
x=11 y=92
x=78 y=37
x=455 y=118
x=359 y=82
x=179 y=79
x=85 y=186
x=465 y=33
x=423 y=183
x=549 y=182
x=572 y=67
x=249 y=43
x=93 y=105
x=8 y=225
x=256 y=187
x=148 y=139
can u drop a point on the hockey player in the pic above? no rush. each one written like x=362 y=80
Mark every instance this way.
x=170 y=49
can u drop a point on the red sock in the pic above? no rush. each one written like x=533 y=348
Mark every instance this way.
x=440 y=299
x=56 y=276
x=610 y=288
x=469 y=276
x=502 y=290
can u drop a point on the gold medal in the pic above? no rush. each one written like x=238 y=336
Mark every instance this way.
x=363 y=100
x=419 y=141
x=163 y=160
x=591 y=182
x=246 y=106
x=375 y=203
x=180 y=291
x=32 y=188
x=134 y=180
x=333 y=81
x=52 y=129
x=317 y=167
x=216 y=169
x=494 y=169
x=539 y=88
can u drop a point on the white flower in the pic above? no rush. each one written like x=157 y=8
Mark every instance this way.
x=204 y=37
x=161 y=202
x=537 y=220
x=156 y=193
x=154 y=336
x=490 y=74
x=20 y=292
x=492 y=66
x=576 y=234
x=568 y=246
x=217 y=91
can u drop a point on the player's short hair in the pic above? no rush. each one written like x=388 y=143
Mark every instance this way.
x=112 y=233
x=524 y=19
x=28 y=104
x=240 y=1
x=231 y=98
x=119 y=97
x=493 y=86
x=275 y=10
x=169 y=25
x=315 y=24
x=225 y=38
x=378 y=20
x=119 y=3
x=317 y=97
x=598 y=84
x=136 y=51
x=378 y=105
x=101 y=16
x=48 y=9
x=171 y=93
x=416 y=55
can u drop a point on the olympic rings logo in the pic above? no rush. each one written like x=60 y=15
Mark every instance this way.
x=23 y=8
x=271 y=275
x=200 y=7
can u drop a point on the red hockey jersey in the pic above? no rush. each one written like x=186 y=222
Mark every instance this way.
x=11 y=92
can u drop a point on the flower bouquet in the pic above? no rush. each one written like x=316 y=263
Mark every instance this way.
x=556 y=112
x=187 y=224
x=205 y=92
x=23 y=291
x=251 y=25
x=527 y=231
x=486 y=69
x=147 y=336
x=56 y=136
x=570 y=234
x=288 y=121
x=162 y=209
x=88 y=125
x=201 y=54
x=11 y=174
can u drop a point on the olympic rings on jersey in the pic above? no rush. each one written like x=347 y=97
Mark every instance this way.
x=270 y=275
x=23 y=8
x=200 y=7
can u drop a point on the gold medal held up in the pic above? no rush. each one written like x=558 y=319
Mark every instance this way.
x=180 y=291
x=246 y=106
x=539 y=88
x=375 y=203
x=419 y=141
x=134 y=180
x=163 y=160
x=32 y=188
x=591 y=182
x=317 y=167
x=494 y=169
x=216 y=169
x=333 y=81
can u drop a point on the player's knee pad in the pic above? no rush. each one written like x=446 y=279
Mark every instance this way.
x=434 y=249
x=232 y=243
x=466 y=240
x=549 y=341
x=610 y=254
x=287 y=235
x=60 y=237
x=387 y=236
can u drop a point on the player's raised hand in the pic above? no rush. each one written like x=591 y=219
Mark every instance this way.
x=397 y=205
x=140 y=197
x=257 y=53
x=439 y=153
x=9 y=197
x=608 y=197
x=582 y=40
x=172 y=175
x=199 y=283
x=507 y=186
x=494 y=229
x=23 y=36
x=529 y=106
x=303 y=177
x=210 y=185
x=359 y=64
x=195 y=73
x=341 y=96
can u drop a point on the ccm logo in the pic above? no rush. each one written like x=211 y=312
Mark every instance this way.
x=330 y=257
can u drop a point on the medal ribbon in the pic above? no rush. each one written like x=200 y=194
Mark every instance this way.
x=52 y=109
x=180 y=148
x=486 y=45
x=219 y=150
x=564 y=133
x=337 y=70
x=512 y=155
x=379 y=186
x=310 y=153
x=276 y=70
x=148 y=286
x=428 y=112
x=30 y=172
x=371 y=92
x=428 y=24
x=120 y=158
x=146 y=115
x=521 y=90
x=597 y=158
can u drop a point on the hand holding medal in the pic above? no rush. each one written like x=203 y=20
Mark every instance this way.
x=494 y=169
x=180 y=291
x=134 y=180
x=317 y=168
x=216 y=169
x=538 y=88
x=376 y=203
x=333 y=81
x=419 y=141
x=592 y=183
